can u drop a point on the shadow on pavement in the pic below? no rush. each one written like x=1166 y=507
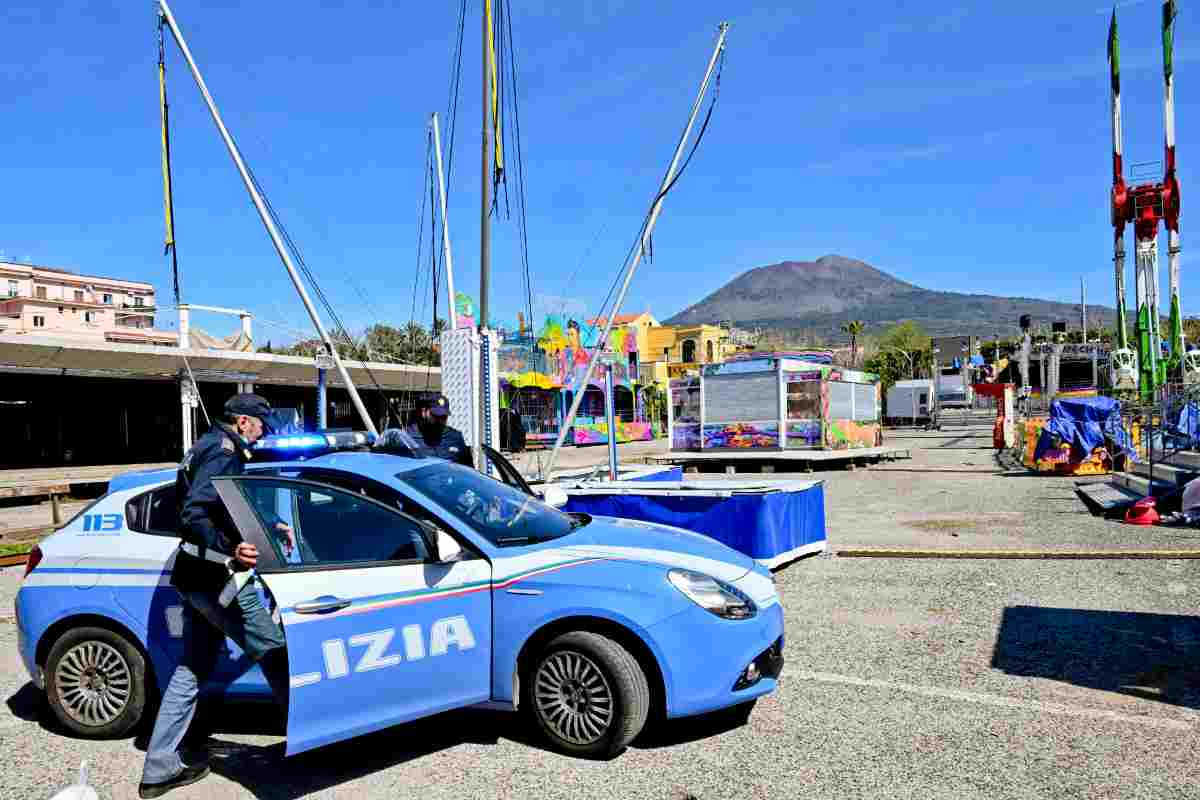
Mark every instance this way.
x=1151 y=656
x=27 y=703
x=263 y=771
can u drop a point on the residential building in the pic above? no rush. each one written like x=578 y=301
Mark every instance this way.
x=37 y=300
x=675 y=350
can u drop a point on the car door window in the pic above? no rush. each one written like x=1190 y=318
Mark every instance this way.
x=311 y=524
x=155 y=512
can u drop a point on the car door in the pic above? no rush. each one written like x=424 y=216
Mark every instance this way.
x=506 y=472
x=379 y=630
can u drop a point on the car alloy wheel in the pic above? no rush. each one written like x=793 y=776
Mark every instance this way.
x=573 y=697
x=93 y=682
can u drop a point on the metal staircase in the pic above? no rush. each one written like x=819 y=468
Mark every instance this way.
x=1169 y=465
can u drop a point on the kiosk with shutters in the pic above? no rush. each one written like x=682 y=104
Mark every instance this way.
x=775 y=403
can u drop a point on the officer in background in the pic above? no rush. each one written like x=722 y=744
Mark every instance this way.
x=213 y=571
x=427 y=434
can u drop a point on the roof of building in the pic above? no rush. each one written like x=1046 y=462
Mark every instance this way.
x=71 y=273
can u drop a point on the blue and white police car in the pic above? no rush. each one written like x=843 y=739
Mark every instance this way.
x=408 y=587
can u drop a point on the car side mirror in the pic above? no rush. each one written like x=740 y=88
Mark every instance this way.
x=448 y=548
x=554 y=496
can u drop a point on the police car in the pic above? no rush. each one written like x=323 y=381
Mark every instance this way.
x=409 y=587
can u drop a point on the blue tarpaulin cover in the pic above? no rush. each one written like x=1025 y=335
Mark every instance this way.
x=1085 y=422
x=665 y=474
x=771 y=527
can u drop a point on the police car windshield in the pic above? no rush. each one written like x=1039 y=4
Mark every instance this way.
x=506 y=516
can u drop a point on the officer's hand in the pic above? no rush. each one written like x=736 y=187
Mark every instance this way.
x=246 y=555
x=287 y=535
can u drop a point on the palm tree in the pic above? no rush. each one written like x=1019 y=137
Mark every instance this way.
x=854 y=327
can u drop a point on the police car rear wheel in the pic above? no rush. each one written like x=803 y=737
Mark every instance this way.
x=588 y=695
x=96 y=683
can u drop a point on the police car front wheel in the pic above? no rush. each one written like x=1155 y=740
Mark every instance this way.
x=587 y=695
x=96 y=683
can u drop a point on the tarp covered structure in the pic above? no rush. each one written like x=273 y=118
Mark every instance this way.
x=1086 y=423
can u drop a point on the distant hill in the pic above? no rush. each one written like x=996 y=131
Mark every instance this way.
x=819 y=296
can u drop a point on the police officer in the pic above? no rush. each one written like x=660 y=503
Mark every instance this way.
x=434 y=436
x=213 y=571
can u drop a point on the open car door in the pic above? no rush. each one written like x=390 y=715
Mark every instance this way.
x=379 y=630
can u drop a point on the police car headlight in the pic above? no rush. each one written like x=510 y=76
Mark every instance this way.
x=331 y=440
x=714 y=596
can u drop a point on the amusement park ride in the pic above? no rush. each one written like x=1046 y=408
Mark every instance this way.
x=1144 y=205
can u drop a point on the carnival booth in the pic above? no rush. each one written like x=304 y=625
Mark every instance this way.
x=539 y=377
x=773 y=403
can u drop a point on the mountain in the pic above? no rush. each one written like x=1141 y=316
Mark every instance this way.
x=819 y=296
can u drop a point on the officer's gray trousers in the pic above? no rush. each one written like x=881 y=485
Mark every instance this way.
x=205 y=626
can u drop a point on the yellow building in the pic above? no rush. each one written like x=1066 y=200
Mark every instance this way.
x=673 y=351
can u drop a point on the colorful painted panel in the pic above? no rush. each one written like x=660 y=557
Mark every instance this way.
x=846 y=434
x=742 y=435
x=597 y=432
x=804 y=433
x=685 y=437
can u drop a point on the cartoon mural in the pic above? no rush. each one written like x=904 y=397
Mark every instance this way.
x=464 y=310
x=597 y=432
x=846 y=434
x=804 y=433
x=742 y=435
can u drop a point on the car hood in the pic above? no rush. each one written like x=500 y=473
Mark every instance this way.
x=648 y=542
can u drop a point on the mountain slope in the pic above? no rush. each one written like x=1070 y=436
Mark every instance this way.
x=821 y=295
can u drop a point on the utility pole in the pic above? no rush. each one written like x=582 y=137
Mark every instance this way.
x=1083 y=308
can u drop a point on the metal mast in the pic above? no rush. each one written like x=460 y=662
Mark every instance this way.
x=260 y=206
x=1124 y=360
x=643 y=238
x=437 y=149
x=1170 y=191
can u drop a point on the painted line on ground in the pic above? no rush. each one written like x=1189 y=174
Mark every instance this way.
x=874 y=552
x=997 y=701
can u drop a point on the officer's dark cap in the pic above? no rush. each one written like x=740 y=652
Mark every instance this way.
x=250 y=405
x=437 y=404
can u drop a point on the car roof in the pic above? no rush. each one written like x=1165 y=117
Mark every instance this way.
x=379 y=466
x=132 y=480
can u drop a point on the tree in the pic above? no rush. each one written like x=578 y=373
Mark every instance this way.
x=907 y=336
x=854 y=327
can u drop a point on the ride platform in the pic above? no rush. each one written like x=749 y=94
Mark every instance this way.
x=768 y=461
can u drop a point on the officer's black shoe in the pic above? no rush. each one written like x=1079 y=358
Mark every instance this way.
x=189 y=776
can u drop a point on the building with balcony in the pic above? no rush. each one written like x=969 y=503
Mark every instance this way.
x=673 y=351
x=37 y=300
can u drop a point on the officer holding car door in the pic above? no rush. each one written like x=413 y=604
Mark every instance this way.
x=214 y=573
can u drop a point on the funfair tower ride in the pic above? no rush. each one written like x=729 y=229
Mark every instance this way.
x=1145 y=205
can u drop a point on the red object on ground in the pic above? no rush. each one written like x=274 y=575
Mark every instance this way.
x=1142 y=512
x=998 y=433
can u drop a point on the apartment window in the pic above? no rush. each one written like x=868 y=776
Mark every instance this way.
x=89 y=316
x=12 y=288
x=40 y=292
x=39 y=321
x=60 y=309
x=107 y=299
x=137 y=301
x=78 y=295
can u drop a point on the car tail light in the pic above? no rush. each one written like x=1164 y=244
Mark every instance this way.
x=35 y=558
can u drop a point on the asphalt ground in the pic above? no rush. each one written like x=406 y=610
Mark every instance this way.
x=921 y=679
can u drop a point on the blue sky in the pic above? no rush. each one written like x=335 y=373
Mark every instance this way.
x=958 y=147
